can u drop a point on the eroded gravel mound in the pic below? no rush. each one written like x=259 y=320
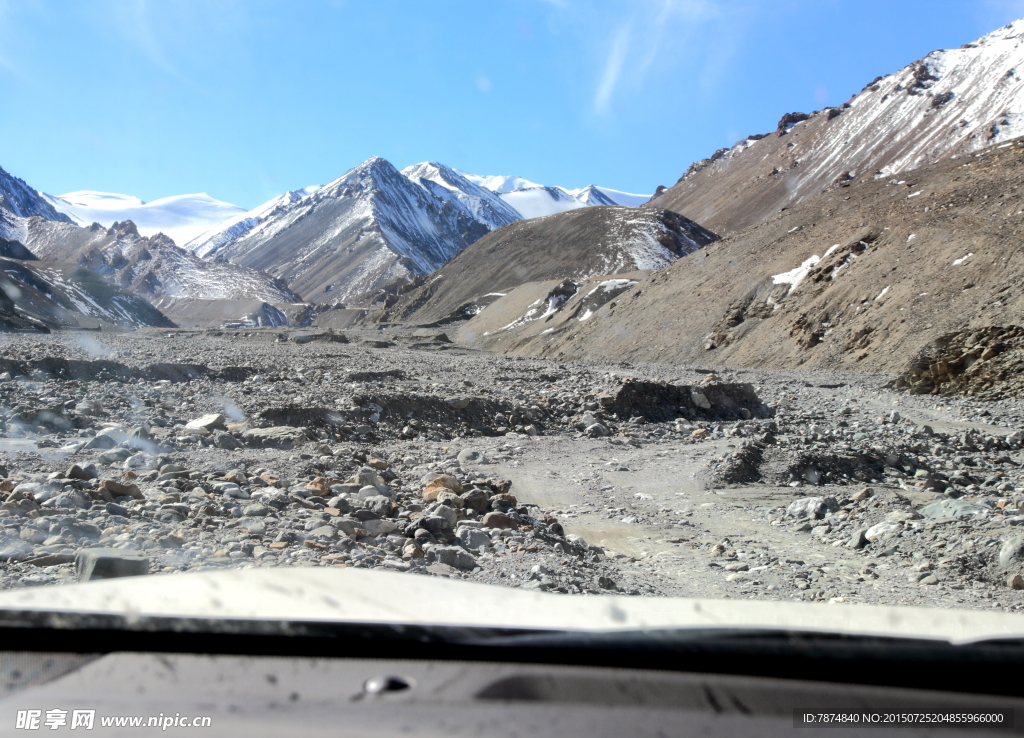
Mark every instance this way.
x=988 y=362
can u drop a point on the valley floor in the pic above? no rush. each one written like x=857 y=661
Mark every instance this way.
x=849 y=492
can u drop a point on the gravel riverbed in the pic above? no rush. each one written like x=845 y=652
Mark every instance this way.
x=197 y=450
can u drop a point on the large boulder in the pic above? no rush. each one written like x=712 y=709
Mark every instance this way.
x=279 y=436
x=812 y=507
x=951 y=508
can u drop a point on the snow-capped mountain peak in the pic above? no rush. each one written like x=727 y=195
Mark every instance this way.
x=368 y=228
x=499 y=183
x=477 y=201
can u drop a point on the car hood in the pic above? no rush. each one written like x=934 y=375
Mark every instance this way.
x=336 y=595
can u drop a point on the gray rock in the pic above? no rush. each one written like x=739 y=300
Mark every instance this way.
x=230 y=489
x=812 y=507
x=1012 y=551
x=380 y=505
x=951 y=508
x=253 y=525
x=453 y=556
x=109 y=563
x=206 y=422
x=79 y=472
x=101 y=441
x=369 y=491
x=472 y=538
x=14 y=549
x=883 y=530
x=437 y=525
x=448 y=513
x=380 y=527
x=341 y=504
x=859 y=539
x=256 y=510
x=226 y=441
x=281 y=436
x=476 y=499
x=700 y=400
x=346 y=489
x=114 y=456
x=141 y=462
x=471 y=457
x=597 y=430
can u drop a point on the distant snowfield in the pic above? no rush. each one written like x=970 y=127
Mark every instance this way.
x=180 y=217
x=534 y=200
x=537 y=202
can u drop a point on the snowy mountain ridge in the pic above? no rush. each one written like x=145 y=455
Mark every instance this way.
x=951 y=102
x=21 y=201
x=375 y=226
x=372 y=227
x=534 y=200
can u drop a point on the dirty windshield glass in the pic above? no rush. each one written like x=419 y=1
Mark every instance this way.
x=560 y=297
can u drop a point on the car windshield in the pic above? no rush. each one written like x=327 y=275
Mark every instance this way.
x=553 y=296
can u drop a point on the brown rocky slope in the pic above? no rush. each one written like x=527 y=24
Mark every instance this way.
x=900 y=262
x=577 y=244
x=953 y=101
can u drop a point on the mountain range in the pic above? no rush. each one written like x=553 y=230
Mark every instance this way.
x=859 y=238
x=841 y=238
x=354 y=238
x=376 y=227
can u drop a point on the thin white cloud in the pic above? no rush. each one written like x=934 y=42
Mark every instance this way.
x=656 y=32
x=482 y=83
x=683 y=16
x=145 y=38
x=612 y=70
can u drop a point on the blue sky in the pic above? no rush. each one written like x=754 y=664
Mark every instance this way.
x=245 y=99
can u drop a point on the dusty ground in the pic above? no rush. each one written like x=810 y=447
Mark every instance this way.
x=692 y=506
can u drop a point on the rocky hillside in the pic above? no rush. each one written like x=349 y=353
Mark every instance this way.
x=953 y=101
x=41 y=296
x=152 y=267
x=577 y=244
x=863 y=277
x=20 y=200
